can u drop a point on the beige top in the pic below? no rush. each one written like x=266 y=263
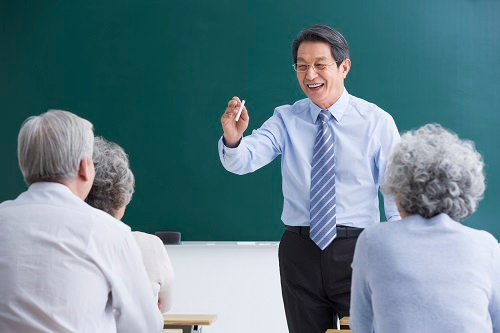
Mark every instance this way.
x=158 y=267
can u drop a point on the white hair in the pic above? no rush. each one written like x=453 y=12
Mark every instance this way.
x=52 y=145
x=432 y=171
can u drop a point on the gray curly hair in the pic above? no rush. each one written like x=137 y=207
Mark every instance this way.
x=114 y=181
x=432 y=171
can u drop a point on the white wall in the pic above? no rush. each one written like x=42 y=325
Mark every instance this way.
x=238 y=281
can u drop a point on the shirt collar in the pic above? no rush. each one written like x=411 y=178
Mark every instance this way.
x=337 y=110
x=52 y=186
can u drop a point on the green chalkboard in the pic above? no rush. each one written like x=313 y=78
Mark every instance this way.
x=155 y=77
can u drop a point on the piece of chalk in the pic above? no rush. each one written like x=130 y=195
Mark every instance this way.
x=239 y=111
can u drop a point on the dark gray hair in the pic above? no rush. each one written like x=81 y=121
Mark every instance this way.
x=114 y=181
x=432 y=171
x=52 y=145
x=323 y=33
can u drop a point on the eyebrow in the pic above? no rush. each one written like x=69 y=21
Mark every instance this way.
x=317 y=59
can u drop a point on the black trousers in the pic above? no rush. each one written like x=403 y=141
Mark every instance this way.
x=316 y=285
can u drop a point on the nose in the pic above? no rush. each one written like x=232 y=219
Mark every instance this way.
x=311 y=73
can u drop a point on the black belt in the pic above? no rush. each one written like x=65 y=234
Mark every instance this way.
x=342 y=232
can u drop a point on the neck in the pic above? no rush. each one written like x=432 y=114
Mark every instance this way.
x=327 y=104
x=76 y=188
x=403 y=214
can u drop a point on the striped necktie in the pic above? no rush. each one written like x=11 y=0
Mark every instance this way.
x=323 y=198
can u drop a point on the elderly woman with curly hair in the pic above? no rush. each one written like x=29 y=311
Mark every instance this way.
x=111 y=192
x=428 y=273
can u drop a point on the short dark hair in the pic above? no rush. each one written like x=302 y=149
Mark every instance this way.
x=323 y=33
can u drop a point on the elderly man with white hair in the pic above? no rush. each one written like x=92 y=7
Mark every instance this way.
x=427 y=272
x=65 y=266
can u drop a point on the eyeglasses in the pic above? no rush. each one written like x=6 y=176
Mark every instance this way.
x=299 y=67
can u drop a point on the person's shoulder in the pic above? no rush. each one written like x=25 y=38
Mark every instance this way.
x=369 y=109
x=476 y=238
x=147 y=240
x=380 y=233
x=108 y=235
x=22 y=199
x=6 y=203
x=483 y=244
x=380 y=228
x=374 y=234
x=145 y=237
x=103 y=222
x=299 y=106
x=480 y=237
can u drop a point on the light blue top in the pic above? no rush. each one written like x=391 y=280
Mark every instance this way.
x=425 y=275
x=364 y=135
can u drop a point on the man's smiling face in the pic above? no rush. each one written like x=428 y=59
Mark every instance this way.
x=323 y=87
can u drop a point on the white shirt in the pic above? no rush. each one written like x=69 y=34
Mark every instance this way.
x=158 y=266
x=67 y=267
x=364 y=136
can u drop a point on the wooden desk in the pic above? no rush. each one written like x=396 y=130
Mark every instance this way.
x=344 y=323
x=188 y=323
x=344 y=326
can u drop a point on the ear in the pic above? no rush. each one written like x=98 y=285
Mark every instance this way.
x=84 y=169
x=345 y=66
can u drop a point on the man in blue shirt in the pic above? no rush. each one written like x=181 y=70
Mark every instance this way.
x=316 y=274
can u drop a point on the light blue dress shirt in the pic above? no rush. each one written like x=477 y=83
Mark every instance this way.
x=364 y=135
x=425 y=275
